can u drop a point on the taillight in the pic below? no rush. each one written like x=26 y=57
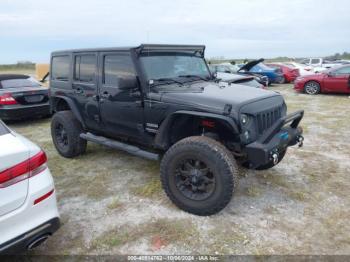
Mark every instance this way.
x=7 y=99
x=23 y=170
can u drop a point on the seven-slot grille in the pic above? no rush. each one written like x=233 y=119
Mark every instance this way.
x=267 y=118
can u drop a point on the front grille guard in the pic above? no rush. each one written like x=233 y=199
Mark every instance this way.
x=266 y=119
x=293 y=118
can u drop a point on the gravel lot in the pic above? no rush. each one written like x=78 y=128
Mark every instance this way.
x=112 y=203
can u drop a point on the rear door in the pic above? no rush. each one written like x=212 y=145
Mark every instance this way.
x=120 y=98
x=12 y=152
x=84 y=87
x=338 y=81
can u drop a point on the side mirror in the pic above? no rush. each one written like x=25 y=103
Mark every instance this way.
x=128 y=83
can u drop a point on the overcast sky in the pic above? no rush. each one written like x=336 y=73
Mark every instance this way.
x=31 y=29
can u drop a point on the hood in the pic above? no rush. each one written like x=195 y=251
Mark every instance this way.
x=250 y=64
x=317 y=76
x=232 y=77
x=213 y=97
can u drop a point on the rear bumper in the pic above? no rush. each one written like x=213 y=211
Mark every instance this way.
x=282 y=134
x=23 y=242
x=24 y=224
x=13 y=112
x=290 y=77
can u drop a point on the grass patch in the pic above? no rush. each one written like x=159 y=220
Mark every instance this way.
x=270 y=210
x=277 y=180
x=151 y=189
x=227 y=239
x=253 y=191
x=171 y=231
x=115 y=204
x=298 y=195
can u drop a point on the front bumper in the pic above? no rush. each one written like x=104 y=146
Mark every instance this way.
x=13 y=112
x=299 y=85
x=284 y=133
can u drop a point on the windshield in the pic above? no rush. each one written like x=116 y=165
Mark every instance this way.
x=174 y=66
x=233 y=68
x=261 y=66
x=14 y=83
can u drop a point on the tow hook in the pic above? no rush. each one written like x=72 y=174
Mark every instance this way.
x=275 y=158
x=300 y=141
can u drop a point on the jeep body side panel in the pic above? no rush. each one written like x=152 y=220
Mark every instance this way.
x=54 y=103
x=75 y=80
x=162 y=138
x=84 y=86
x=120 y=99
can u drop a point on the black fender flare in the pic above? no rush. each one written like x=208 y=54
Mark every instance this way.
x=161 y=139
x=71 y=105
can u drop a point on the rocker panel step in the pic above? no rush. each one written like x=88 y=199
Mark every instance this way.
x=134 y=150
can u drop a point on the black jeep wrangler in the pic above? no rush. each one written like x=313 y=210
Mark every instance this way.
x=161 y=102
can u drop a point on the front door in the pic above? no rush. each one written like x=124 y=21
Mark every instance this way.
x=85 y=88
x=338 y=80
x=120 y=98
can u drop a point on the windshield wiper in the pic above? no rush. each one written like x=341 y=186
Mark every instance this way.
x=195 y=76
x=166 y=80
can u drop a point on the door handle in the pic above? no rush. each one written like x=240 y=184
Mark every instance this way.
x=78 y=90
x=106 y=95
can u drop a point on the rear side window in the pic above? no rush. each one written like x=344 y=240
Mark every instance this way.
x=85 y=67
x=315 y=61
x=60 y=68
x=343 y=71
x=14 y=83
x=3 y=129
x=118 y=70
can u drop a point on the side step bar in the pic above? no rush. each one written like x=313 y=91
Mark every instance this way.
x=134 y=150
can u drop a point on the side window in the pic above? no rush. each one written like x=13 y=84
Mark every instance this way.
x=84 y=68
x=60 y=68
x=343 y=71
x=118 y=70
x=315 y=61
x=221 y=69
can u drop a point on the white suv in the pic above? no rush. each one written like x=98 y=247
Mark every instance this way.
x=28 y=208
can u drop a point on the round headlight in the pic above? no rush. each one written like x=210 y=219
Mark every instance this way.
x=244 y=119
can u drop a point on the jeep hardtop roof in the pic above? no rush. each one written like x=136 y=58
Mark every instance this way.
x=143 y=48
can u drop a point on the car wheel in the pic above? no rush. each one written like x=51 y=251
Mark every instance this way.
x=312 y=88
x=282 y=80
x=199 y=175
x=65 y=132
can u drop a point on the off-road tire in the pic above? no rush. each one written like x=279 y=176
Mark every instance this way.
x=270 y=164
x=75 y=145
x=315 y=88
x=220 y=161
